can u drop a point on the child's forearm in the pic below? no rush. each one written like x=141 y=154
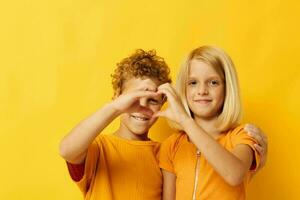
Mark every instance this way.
x=73 y=147
x=169 y=185
x=229 y=166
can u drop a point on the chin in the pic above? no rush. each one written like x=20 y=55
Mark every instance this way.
x=139 y=131
x=137 y=127
x=204 y=115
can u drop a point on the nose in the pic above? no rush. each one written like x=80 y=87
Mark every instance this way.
x=202 y=90
x=143 y=102
x=144 y=107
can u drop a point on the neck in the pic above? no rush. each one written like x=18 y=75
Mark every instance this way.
x=125 y=133
x=209 y=126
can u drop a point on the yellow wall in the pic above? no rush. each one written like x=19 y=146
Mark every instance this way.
x=57 y=56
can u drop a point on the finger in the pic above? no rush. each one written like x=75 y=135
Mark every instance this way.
x=168 y=87
x=159 y=90
x=258 y=138
x=254 y=132
x=140 y=94
x=253 y=128
x=250 y=128
x=165 y=85
x=259 y=148
x=167 y=93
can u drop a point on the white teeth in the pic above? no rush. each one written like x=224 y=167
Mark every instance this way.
x=140 y=118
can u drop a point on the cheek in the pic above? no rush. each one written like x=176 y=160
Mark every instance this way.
x=220 y=95
x=125 y=117
x=155 y=108
x=189 y=95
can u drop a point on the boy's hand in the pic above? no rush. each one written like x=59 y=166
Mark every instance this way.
x=127 y=101
x=262 y=143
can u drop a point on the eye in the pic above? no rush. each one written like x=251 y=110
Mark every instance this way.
x=153 y=102
x=214 y=83
x=192 y=82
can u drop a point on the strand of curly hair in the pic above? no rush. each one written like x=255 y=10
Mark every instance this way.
x=138 y=65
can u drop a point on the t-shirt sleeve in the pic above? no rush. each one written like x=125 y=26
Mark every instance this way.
x=240 y=136
x=76 y=171
x=83 y=174
x=166 y=154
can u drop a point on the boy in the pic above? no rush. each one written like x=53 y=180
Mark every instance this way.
x=122 y=165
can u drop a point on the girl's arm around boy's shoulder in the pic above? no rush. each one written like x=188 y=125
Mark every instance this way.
x=239 y=137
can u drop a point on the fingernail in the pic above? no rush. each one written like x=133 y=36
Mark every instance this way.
x=250 y=133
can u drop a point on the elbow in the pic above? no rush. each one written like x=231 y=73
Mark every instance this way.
x=69 y=155
x=236 y=178
x=63 y=151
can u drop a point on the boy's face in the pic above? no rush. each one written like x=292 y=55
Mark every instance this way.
x=138 y=119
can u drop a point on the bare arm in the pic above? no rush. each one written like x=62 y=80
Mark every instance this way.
x=74 y=146
x=169 y=185
x=232 y=166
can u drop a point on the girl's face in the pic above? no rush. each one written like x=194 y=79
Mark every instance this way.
x=205 y=90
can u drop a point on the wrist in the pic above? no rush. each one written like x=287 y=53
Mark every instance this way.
x=187 y=122
x=112 y=107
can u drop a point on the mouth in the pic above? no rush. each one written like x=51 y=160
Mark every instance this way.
x=203 y=101
x=141 y=118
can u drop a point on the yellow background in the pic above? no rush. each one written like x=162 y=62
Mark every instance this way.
x=56 y=58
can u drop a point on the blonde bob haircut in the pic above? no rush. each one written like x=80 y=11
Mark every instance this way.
x=230 y=114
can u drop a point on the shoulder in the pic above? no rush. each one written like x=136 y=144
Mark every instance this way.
x=174 y=139
x=236 y=131
x=105 y=138
x=102 y=140
x=238 y=128
x=172 y=143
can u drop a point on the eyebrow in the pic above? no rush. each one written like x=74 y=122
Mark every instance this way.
x=210 y=77
x=143 y=87
x=146 y=89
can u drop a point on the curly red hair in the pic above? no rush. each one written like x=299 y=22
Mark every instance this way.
x=140 y=64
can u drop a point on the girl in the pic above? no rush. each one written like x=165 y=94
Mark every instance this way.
x=212 y=156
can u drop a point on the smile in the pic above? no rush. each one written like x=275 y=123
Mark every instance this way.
x=140 y=118
x=203 y=101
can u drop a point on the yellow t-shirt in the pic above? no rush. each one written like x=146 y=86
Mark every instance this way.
x=120 y=169
x=179 y=156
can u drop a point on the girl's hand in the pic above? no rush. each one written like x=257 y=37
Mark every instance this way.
x=261 y=146
x=175 y=112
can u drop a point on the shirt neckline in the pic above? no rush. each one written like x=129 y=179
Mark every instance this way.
x=134 y=142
